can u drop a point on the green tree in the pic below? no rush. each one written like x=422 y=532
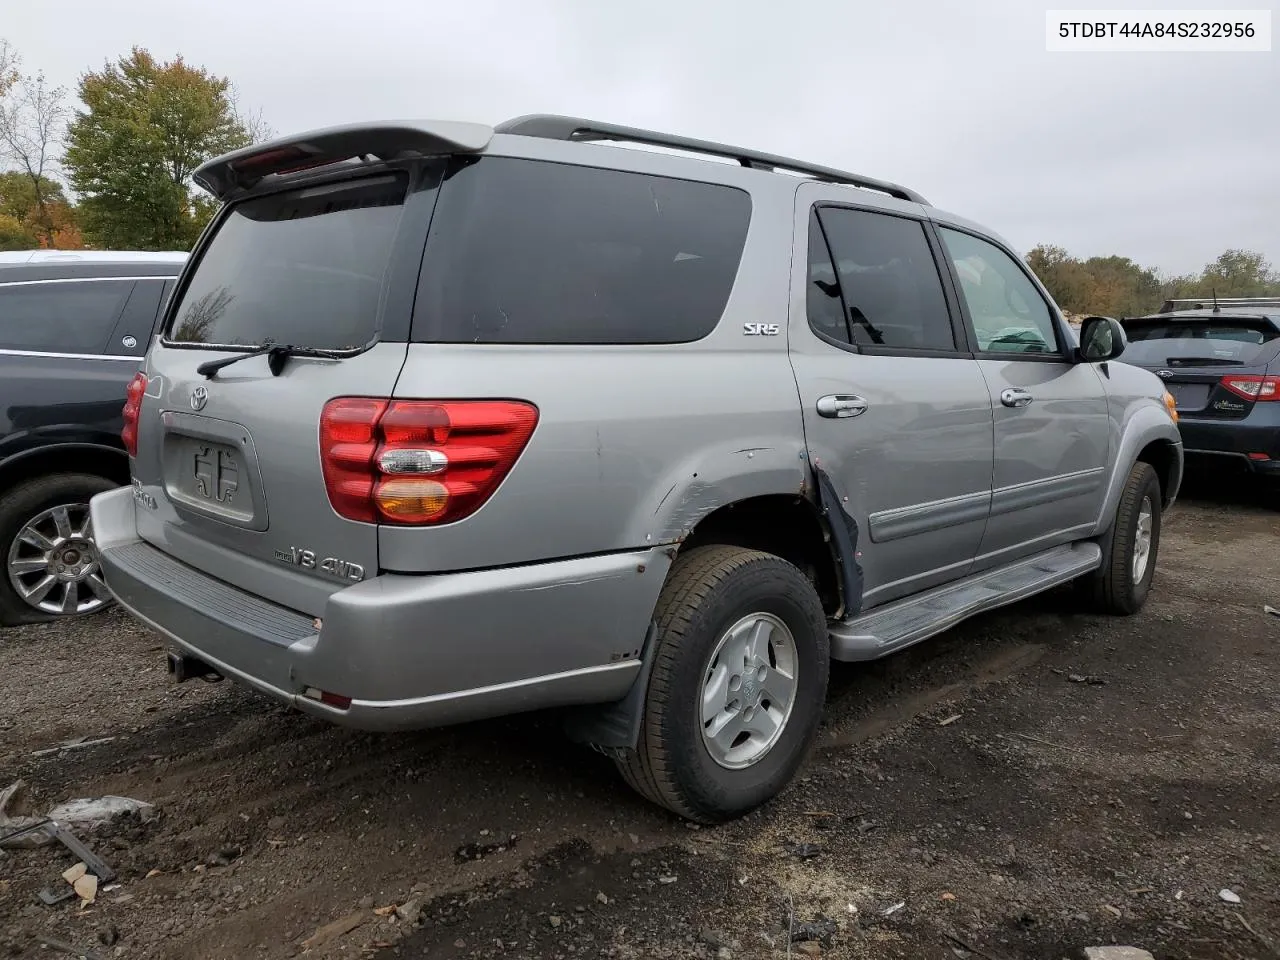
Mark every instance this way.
x=33 y=116
x=131 y=153
x=1239 y=273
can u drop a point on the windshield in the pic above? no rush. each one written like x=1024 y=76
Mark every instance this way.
x=1204 y=341
x=303 y=267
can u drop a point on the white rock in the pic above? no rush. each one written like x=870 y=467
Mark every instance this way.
x=90 y=814
x=1116 y=953
x=1228 y=896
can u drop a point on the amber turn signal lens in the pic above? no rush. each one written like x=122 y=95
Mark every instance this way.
x=1171 y=405
x=412 y=500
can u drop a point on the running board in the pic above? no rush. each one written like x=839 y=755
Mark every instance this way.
x=885 y=629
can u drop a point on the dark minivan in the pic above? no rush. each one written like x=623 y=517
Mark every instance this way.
x=1221 y=362
x=73 y=327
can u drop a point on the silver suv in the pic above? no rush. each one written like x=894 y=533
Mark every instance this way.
x=449 y=421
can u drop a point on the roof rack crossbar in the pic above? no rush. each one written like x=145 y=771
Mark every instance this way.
x=550 y=127
x=1207 y=302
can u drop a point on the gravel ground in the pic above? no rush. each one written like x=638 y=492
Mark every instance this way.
x=1031 y=783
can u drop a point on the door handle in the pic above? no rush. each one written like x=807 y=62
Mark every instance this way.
x=1013 y=397
x=841 y=405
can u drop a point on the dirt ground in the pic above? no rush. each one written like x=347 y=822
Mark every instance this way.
x=1031 y=783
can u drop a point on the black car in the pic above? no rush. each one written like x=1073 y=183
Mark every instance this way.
x=73 y=328
x=1221 y=362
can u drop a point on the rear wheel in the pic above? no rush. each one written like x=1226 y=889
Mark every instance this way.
x=1120 y=586
x=46 y=541
x=737 y=687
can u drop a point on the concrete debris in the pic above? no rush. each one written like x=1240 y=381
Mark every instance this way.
x=410 y=911
x=82 y=815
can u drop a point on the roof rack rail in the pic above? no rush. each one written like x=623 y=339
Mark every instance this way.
x=550 y=127
x=1207 y=303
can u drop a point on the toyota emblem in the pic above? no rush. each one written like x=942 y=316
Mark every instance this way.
x=1164 y=374
x=199 y=397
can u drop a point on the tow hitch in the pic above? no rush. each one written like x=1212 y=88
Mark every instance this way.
x=186 y=668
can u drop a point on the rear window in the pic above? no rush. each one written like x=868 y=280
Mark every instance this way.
x=303 y=267
x=60 y=316
x=1192 y=342
x=525 y=251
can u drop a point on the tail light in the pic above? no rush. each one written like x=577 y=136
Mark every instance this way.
x=419 y=462
x=132 y=408
x=1253 y=387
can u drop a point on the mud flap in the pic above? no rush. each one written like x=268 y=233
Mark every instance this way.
x=612 y=728
x=844 y=534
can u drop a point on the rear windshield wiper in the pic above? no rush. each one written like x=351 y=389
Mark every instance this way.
x=276 y=354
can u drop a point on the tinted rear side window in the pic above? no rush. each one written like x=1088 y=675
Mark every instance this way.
x=889 y=280
x=304 y=267
x=60 y=316
x=524 y=251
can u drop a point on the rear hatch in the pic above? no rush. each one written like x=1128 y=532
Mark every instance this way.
x=228 y=458
x=1214 y=366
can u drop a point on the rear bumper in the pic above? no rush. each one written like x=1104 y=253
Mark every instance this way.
x=410 y=651
x=1232 y=441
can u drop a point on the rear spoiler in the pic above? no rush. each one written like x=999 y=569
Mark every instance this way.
x=243 y=169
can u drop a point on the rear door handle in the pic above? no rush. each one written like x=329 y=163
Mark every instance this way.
x=839 y=405
x=1013 y=397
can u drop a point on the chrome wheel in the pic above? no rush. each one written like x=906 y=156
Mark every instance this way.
x=53 y=562
x=748 y=690
x=1142 y=541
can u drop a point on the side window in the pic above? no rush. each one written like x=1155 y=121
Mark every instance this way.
x=525 y=251
x=826 y=311
x=60 y=316
x=1009 y=314
x=888 y=280
x=132 y=334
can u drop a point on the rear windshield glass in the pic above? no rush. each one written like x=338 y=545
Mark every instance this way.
x=1192 y=342
x=304 y=267
x=524 y=251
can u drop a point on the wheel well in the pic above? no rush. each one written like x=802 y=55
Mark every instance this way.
x=784 y=525
x=100 y=461
x=1159 y=455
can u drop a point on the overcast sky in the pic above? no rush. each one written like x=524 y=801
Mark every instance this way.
x=1166 y=158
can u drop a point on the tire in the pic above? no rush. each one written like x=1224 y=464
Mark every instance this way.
x=709 y=591
x=26 y=503
x=1114 y=588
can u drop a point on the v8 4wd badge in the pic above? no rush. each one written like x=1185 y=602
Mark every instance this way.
x=306 y=559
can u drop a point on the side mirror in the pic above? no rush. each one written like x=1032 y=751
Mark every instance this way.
x=1101 y=339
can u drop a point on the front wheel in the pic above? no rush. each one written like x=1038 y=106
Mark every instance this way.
x=46 y=542
x=1120 y=586
x=737 y=687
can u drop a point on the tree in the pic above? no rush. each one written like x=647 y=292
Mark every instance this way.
x=37 y=213
x=130 y=155
x=33 y=116
x=1238 y=273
